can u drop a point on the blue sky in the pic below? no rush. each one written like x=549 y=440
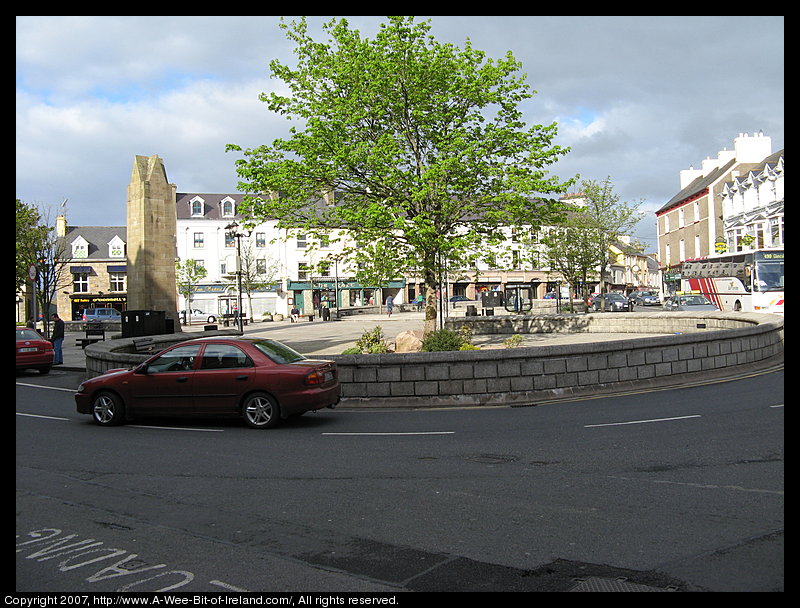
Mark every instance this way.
x=636 y=98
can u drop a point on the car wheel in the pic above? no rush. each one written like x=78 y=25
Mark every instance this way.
x=212 y=319
x=261 y=411
x=44 y=370
x=108 y=409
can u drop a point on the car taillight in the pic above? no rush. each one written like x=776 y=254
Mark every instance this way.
x=315 y=377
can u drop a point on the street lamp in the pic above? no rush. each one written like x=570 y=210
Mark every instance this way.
x=232 y=229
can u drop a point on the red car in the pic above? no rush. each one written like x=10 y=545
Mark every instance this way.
x=258 y=379
x=33 y=351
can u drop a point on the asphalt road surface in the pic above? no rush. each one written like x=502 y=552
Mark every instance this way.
x=678 y=490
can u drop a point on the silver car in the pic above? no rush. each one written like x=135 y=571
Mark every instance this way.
x=691 y=303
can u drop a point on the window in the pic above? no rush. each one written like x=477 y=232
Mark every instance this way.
x=199 y=240
x=116 y=248
x=227 y=207
x=179 y=359
x=224 y=356
x=261 y=239
x=302 y=271
x=117 y=281
x=230 y=240
x=301 y=241
x=197 y=206
x=80 y=248
x=80 y=282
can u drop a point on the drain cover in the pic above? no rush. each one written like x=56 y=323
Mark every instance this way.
x=597 y=584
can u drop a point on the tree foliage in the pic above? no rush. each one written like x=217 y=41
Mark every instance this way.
x=423 y=143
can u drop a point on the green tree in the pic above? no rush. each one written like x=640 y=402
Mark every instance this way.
x=188 y=274
x=603 y=219
x=422 y=142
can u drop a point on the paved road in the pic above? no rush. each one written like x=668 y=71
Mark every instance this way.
x=667 y=490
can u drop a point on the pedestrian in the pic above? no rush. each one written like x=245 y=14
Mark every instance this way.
x=389 y=305
x=57 y=338
x=420 y=301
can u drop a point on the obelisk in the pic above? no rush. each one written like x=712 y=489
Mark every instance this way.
x=152 y=249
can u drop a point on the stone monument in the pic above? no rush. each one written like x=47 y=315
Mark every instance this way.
x=152 y=250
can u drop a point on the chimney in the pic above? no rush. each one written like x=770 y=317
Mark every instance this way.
x=61 y=226
x=709 y=164
x=689 y=175
x=752 y=149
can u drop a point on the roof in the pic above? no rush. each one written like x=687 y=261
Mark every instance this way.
x=212 y=204
x=697 y=186
x=98 y=238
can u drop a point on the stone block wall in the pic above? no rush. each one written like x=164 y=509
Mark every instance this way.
x=523 y=376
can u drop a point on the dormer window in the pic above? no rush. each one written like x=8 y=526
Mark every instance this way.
x=198 y=205
x=80 y=248
x=228 y=207
x=116 y=248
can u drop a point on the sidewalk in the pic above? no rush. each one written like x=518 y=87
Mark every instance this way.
x=332 y=337
x=307 y=337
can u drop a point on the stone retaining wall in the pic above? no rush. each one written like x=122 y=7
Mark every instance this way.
x=521 y=376
x=693 y=346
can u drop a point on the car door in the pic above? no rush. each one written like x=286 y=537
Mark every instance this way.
x=164 y=385
x=224 y=374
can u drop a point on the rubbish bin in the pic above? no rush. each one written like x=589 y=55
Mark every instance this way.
x=137 y=323
x=472 y=310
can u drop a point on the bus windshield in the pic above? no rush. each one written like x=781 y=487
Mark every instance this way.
x=769 y=271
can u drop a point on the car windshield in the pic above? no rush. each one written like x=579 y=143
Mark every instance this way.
x=27 y=334
x=614 y=296
x=695 y=301
x=279 y=353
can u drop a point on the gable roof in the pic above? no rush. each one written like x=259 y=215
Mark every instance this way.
x=697 y=186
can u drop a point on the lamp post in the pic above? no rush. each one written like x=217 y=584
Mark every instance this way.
x=232 y=229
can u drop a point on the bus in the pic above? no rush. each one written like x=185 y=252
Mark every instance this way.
x=747 y=281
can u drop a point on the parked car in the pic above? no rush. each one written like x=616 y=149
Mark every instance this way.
x=258 y=379
x=614 y=302
x=456 y=299
x=197 y=315
x=690 y=303
x=644 y=298
x=101 y=314
x=33 y=351
x=590 y=299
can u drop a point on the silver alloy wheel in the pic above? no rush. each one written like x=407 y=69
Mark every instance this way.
x=106 y=410
x=261 y=411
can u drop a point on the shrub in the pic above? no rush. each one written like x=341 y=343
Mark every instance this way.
x=513 y=341
x=442 y=340
x=372 y=341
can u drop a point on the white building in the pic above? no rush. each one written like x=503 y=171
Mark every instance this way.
x=752 y=206
x=282 y=272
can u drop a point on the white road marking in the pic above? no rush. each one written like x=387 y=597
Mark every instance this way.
x=173 y=428
x=394 y=434
x=40 y=416
x=588 y=426
x=51 y=388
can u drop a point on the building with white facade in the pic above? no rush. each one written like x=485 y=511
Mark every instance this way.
x=709 y=214
x=279 y=270
x=752 y=206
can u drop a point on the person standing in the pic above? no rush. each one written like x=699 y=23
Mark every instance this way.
x=57 y=338
x=389 y=305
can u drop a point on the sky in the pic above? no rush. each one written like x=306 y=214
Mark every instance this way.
x=637 y=99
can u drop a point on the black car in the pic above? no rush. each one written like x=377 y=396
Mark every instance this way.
x=644 y=298
x=610 y=302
